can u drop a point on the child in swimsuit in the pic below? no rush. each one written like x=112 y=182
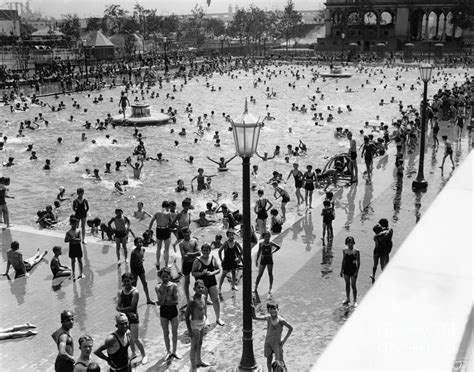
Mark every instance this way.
x=137 y=256
x=167 y=293
x=140 y=214
x=195 y=321
x=273 y=342
x=201 y=183
x=285 y=198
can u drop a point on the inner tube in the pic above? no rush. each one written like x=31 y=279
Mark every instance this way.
x=222 y=169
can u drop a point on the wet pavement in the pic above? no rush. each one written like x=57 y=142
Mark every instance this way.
x=307 y=285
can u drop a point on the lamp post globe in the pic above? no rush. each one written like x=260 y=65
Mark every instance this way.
x=166 y=55
x=343 y=36
x=420 y=183
x=84 y=44
x=246 y=131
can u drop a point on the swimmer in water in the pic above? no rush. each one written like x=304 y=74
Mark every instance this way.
x=202 y=221
x=96 y=175
x=140 y=213
x=222 y=163
x=265 y=156
x=159 y=158
x=47 y=165
x=119 y=186
x=76 y=159
x=200 y=177
x=9 y=163
x=180 y=186
x=62 y=194
x=137 y=169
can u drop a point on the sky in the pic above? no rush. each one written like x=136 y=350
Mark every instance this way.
x=90 y=8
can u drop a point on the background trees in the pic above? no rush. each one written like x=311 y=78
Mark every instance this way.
x=70 y=26
x=250 y=25
x=287 y=22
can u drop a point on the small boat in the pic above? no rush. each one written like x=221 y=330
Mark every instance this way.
x=336 y=72
x=141 y=116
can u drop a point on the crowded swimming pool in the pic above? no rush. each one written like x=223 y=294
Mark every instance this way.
x=34 y=187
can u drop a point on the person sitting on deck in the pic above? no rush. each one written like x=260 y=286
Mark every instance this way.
x=15 y=260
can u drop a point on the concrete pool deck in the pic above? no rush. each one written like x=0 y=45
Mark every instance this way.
x=307 y=285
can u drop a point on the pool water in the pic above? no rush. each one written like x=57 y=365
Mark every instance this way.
x=34 y=188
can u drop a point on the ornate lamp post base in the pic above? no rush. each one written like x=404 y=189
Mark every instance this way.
x=419 y=185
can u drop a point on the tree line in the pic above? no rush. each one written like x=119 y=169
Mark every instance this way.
x=249 y=25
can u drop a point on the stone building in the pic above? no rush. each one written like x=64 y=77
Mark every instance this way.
x=394 y=23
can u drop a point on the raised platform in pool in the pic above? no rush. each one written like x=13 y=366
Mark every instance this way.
x=336 y=72
x=336 y=75
x=141 y=116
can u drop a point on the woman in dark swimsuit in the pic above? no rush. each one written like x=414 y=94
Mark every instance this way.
x=232 y=255
x=350 y=269
x=368 y=155
x=265 y=259
x=262 y=206
x=206 y=268
x=309 y=181
x=298 y=176
x=80 y=206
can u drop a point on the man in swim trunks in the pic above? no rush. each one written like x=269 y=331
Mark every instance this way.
x=448 y=151
x=121 y=230
x=4 y=182
x=62 y=336
x=163 y=232
x=167 y=294
x=353 y=155
x=123 y=103
x=15 y=259
x=137 y=256
x=196 y=321
x=285 y=198
x=183 y=219
x=298 y=176
x=117 y=344
x=189 y=252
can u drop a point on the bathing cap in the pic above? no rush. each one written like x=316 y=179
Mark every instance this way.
x=120 y=317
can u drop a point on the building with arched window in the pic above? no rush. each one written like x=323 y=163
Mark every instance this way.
x=369 y=22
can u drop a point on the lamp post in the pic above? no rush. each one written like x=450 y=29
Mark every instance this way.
x=166 y=55
x=420 y=183
x=85 y=58
x=221 y=39
x=343 y=36
x=264 y=38
x=429 y=47
x=246 y=132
